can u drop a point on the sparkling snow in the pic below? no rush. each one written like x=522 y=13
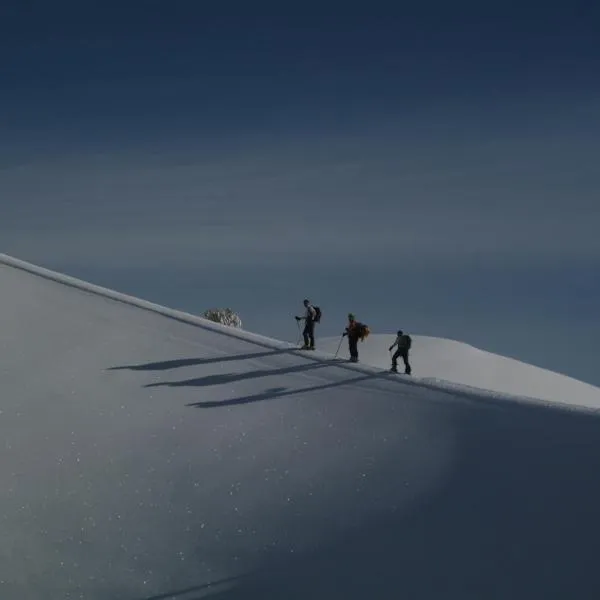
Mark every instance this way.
x=148 y=454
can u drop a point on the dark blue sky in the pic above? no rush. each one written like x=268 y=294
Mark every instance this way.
x=89 y=66
x=443 y=154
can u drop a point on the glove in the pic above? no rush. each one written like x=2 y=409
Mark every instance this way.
x=297 y=318
x=344 y=334
x=390 y=349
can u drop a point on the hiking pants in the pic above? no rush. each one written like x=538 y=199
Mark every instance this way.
x=353 y=346
x=401 y=352
x=309 y=333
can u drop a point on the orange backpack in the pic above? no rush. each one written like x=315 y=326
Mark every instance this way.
x=363 y=331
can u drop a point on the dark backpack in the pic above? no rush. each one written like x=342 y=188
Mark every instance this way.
x=317 y=318
x=407 y=341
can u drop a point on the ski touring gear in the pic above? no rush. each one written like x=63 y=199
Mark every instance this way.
x=311 y=316
x=309 y=334
x=311 y=313
x=355 y=328
x=395 y=370
x=317 y=317
x=403 y=343
x=355 y=331
x=339 y=345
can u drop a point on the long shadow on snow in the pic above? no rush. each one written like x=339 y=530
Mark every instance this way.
x=205 y=589
x=516 y=519
x=420 y=389
x=232 y=377
x=165 y=365
x=274 y=393
x=471 y=393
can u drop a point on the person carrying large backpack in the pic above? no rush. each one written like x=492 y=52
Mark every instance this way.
x=403 y=342
x=312 y=315
x=355 y=331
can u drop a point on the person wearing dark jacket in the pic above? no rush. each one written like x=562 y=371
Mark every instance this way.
x=403 y=342
x=355 y=332
x=309 y=325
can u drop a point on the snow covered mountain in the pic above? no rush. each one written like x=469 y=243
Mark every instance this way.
x=149 y=454
x=441 y=360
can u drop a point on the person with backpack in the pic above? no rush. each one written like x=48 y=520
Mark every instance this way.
x=312 y=315
x=355 y=331
x=403 y=342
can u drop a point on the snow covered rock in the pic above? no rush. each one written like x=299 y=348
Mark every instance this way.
x=196 y=461
x=225 y=316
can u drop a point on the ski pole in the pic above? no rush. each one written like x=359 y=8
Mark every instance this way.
x=339 y=346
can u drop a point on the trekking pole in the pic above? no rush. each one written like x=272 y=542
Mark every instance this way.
x=339 y=346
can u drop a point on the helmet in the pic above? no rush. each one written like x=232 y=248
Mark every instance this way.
x=306 y=301
x=400 y=332
x=350 y=317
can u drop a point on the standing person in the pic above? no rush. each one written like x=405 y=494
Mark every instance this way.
x=404 y=342
x=309 y=318
x=355 y=331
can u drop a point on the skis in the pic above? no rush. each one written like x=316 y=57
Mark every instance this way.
x=392 y=370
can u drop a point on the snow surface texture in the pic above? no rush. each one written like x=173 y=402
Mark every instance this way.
x=148 y=454
x=435 y=359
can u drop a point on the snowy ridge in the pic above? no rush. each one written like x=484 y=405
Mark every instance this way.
x=459 y=367
x=139 y=303
x=367 y=367
x=147 y=458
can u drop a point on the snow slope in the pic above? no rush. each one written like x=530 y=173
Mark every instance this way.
x=436 y=359
x=148 y=454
